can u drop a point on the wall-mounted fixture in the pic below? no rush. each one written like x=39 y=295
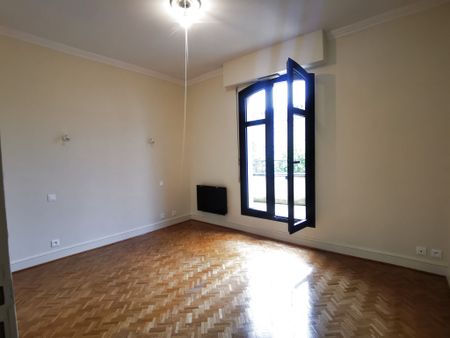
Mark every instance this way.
x=65 y=138
x=151 y=141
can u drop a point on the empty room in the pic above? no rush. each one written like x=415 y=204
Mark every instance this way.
x=224 y=168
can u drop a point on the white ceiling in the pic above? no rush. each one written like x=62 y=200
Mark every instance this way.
x=141 y=32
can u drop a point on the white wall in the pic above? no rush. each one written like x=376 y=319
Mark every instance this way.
x=107 y=178
x=382 y=140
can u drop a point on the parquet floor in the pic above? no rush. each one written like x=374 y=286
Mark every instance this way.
x=196 y=279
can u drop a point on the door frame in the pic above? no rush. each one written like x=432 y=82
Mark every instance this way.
x=8 y=309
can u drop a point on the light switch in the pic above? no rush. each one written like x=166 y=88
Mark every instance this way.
x=51 y=198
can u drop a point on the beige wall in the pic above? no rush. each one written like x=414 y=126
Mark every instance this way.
x=382 y=146
x=307 y=49
x=382 y=141
x=107 y=177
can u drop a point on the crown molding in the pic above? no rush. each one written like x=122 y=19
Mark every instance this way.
x=385 y=17
x=26 y=37
x=335 y=34
x=206 y=76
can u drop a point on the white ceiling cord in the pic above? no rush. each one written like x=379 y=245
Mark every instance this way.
x=186 y=60
x=185 y=22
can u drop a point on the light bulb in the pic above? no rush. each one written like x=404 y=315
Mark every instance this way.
x=185 y=12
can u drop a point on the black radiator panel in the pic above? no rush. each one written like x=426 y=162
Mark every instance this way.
x=212 y=199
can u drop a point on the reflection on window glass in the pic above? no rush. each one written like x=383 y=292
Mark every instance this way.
x=256 y=170
x=299 y=94
x=280 y=152
x=299 y=168
x=280 y=147
x=256 y=106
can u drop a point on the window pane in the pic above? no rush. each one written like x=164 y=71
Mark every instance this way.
x=299 y=94
x=256 y=170
x=256 y=106
x=280 y=147
x=299 y=168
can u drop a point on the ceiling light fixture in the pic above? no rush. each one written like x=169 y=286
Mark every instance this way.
x=186 y=12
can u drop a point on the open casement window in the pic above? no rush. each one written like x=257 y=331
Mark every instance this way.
x=276 y=136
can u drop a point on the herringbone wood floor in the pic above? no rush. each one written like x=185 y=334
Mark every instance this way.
x=195 y=279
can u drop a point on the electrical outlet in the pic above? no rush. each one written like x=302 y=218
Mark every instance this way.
x=421 y=250
x=174 y=212
x=54 y=243
x=162 y=215
x=436 y=253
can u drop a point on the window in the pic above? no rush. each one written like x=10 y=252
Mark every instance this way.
x=276 y=135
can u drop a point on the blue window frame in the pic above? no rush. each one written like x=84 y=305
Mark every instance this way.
x=276 y=136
